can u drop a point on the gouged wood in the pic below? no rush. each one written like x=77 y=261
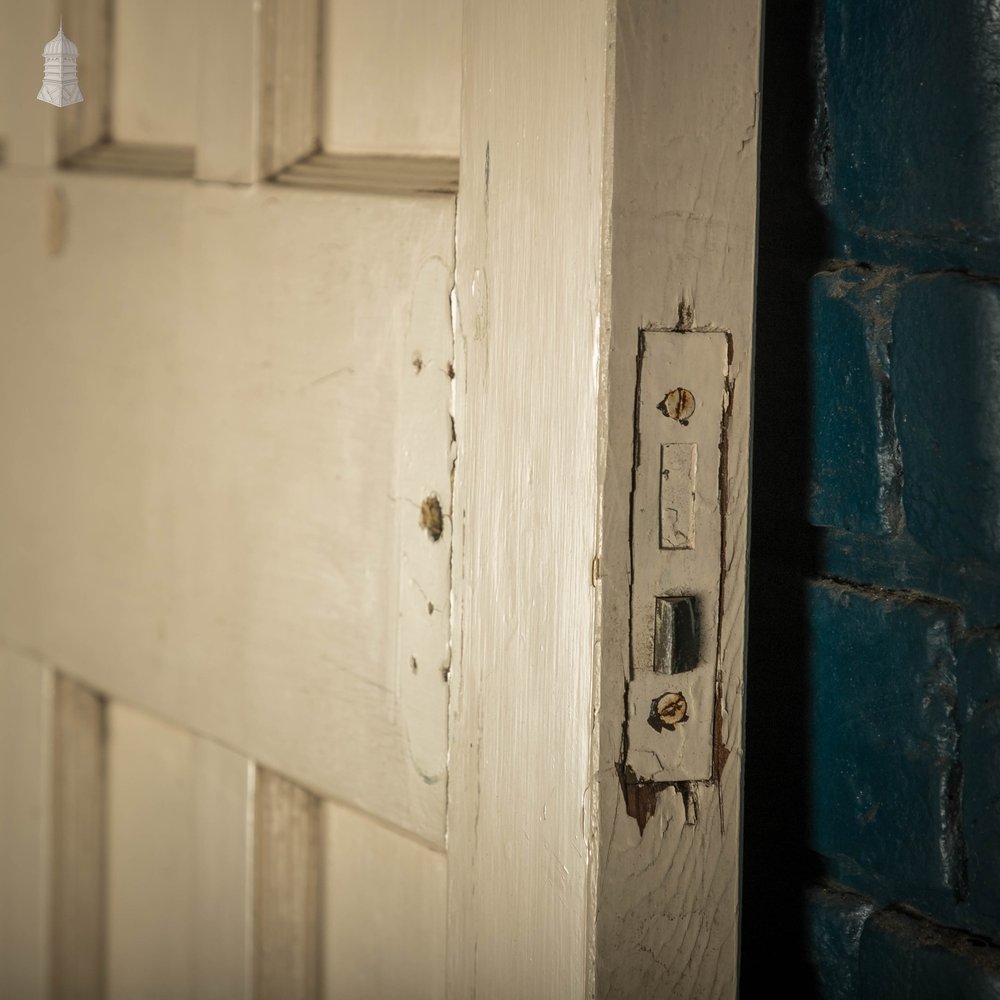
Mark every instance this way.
x=287 y=891
x=78 y=843
x=684 y=223
x=179 y=863
x=25 y=827
x=383 y=911
x=528 y=285
x=88 y=23
x=290 y=61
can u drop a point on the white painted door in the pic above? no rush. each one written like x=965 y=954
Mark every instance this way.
x=316 y=489
x=225 y=500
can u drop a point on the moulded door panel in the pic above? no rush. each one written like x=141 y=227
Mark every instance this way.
x=225 y=417
x=199 y=443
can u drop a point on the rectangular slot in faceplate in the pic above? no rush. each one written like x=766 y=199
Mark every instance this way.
x=675 y=635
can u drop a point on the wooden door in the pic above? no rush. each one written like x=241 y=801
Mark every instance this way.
x=607 y=199
x=317 y=576
x=226 y=504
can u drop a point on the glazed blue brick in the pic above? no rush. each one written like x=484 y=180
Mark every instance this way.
x=836 y=920
x=855 y=483
x=883 y=745
x=914 y=124
x=906 y=958
x=979 y=704
x=946 y=383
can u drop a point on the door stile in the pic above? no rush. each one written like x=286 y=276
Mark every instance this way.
x=529 y=265
x=608 y=197
x=681 y=305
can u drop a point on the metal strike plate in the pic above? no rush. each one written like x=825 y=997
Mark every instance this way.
x=676 y=553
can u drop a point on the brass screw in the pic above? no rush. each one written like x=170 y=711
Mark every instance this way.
x=678 y=404
x=668 y=711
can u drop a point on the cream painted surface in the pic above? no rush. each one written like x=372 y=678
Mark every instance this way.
x=225 y=415
x=521 y=840
x=683 y=227
x=391 y=76
x=229 y=74
x=27 y=136
x=88 y=23
x=155 y=56
x=216 y=445
x=180 y=853
x=25 y=829
x=383 y=912
x=79 y=834
x=199 y=447
x=288 y=85
x=287 y=890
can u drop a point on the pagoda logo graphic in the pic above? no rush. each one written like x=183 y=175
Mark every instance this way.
x=60 y=86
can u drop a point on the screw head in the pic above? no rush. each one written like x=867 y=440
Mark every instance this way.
x=678 y=404
x=668 y=711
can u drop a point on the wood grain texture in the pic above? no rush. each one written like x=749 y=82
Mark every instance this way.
x=180 y=862
x=683 y=223
x=528 y=286
x=155 y=73
x=26 y=693
x=78 y=843
x=289 y=82
x=383 y=912
x=200 y=447
x=287 y=891
x=88 y=23
x=137 y=159
x=375 y=174
x=391 y=76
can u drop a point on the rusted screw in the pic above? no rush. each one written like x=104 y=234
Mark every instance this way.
x=678 y=404
x=668 y=711
x=432 y=517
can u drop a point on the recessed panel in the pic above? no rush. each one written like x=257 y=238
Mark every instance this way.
x=154 y=70
x=392 y=76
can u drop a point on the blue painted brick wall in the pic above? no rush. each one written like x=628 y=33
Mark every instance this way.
x=946 y=383
x=836 y=921
x=913 y=130
x=905 y=958
x=855 y=471
x=884 y=744
x=979 y=725
x=904 y=613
